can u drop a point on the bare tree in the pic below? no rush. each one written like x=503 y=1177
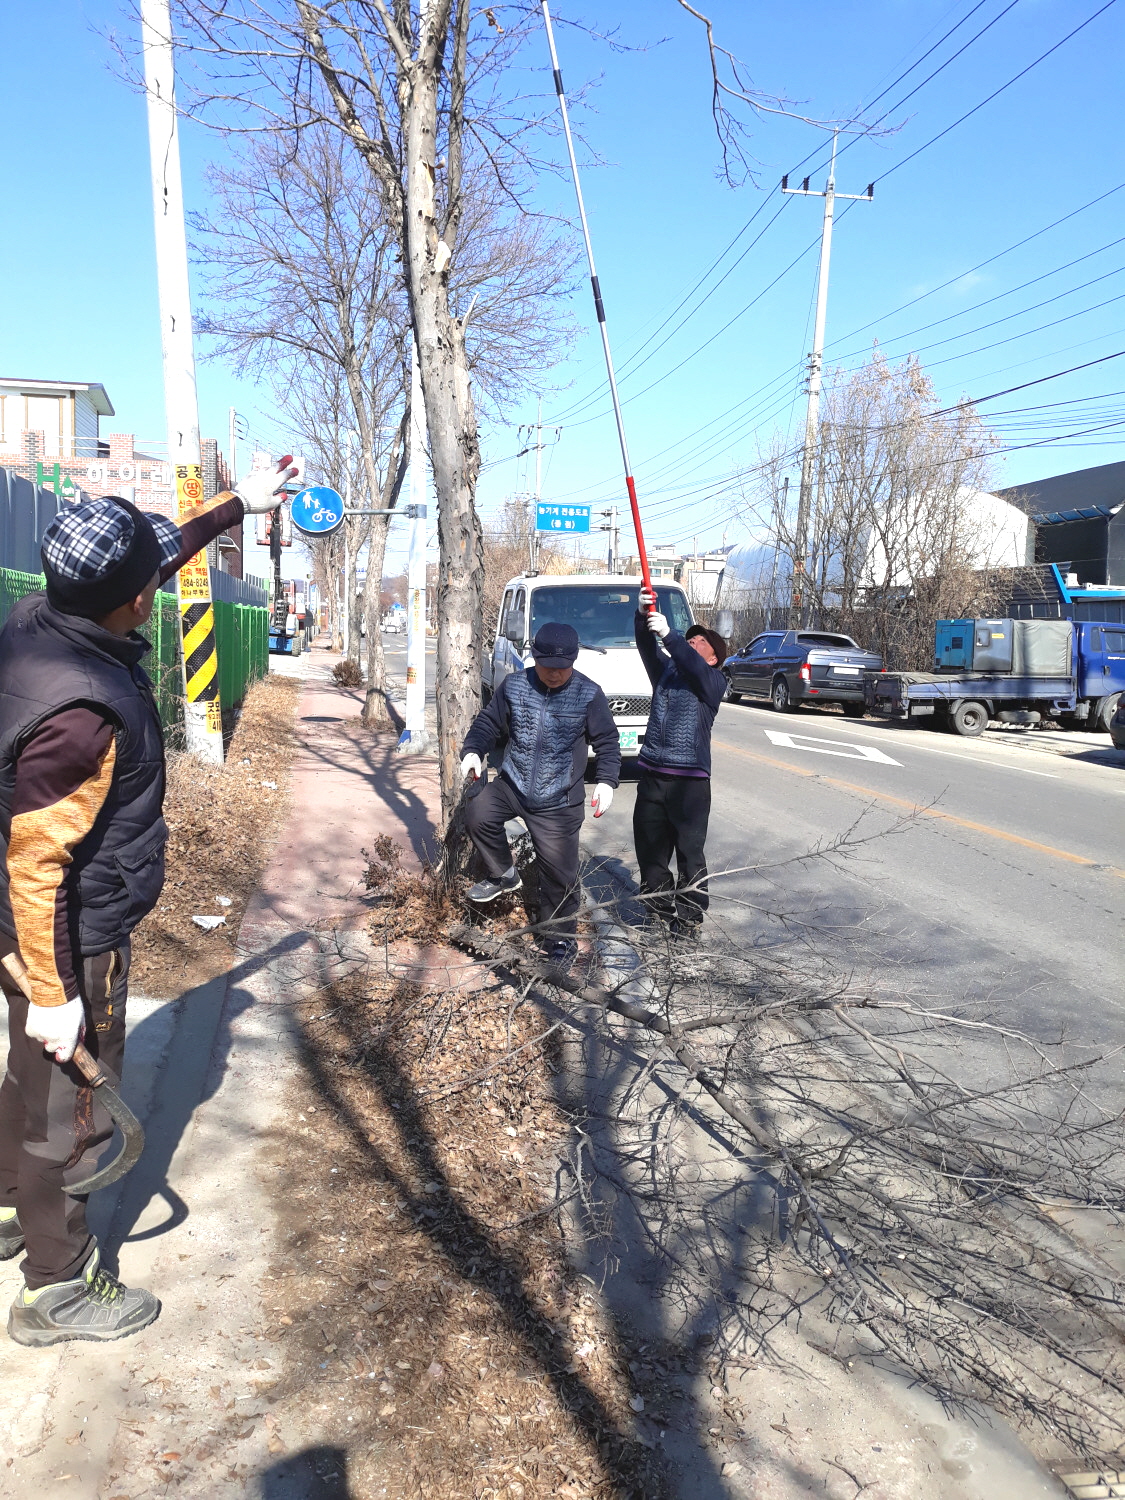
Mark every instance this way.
x=426 y=99
x=306 y=292
x=902 y=530
x=510 y=543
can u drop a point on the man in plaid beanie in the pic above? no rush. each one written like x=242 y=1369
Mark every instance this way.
x=81 y=862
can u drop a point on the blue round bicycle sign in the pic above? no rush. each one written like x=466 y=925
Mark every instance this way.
x=317 y=510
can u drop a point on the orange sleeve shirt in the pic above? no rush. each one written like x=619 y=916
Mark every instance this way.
x=63 y=776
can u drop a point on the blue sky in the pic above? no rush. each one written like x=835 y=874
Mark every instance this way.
x=77 y=270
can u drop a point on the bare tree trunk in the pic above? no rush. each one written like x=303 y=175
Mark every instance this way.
x=454 y=447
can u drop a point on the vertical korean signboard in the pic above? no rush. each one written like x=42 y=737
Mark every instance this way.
x=203 y=720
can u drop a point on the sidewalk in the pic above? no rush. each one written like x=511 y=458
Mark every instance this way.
x=186 y=1406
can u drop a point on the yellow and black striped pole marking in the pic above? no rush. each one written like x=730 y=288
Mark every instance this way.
x=203 y=721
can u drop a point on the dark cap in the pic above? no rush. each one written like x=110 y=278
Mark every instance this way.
x=555 y=645
x=100 y=553
x=713 y=639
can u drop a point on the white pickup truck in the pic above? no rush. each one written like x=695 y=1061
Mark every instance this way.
x=601 y=608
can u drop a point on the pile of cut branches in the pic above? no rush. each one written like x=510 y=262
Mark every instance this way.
x=931 y=1182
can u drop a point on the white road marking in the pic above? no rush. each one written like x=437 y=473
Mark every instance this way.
x=921 y=744
x=825 y=747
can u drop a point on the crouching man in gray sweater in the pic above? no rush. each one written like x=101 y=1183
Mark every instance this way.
x=548 y=715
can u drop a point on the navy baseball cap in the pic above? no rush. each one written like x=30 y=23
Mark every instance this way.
x=555 y=645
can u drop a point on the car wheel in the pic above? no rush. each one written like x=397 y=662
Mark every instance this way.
x=779 y=696
x=1102 y=716
x=969 y=719
x=730 y=696
x=854 y=710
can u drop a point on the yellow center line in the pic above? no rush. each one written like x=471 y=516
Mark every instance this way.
x=924 y=812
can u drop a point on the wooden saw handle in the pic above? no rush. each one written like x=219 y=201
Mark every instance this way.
x=90 y=1070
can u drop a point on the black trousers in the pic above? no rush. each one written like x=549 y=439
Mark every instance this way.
x=50 y=1118
x=670 y=817
x=554 y=834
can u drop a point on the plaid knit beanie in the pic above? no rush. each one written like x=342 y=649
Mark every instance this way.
x=713 y=639
x=101 y=553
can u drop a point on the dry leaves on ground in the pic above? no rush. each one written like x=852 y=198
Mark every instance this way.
x=222 y=821
x=426 y=1289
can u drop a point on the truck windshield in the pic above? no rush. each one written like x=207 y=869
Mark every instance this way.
x=601 y=613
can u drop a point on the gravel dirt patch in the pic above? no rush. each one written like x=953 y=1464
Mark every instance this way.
x=222 y=822
x=425 y=1294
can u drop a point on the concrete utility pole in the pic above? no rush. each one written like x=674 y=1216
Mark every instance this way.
x=232 y=446
x=203 y=723
x=346 y=633
x=614 y=537
x=816 y=367
x=414 y=737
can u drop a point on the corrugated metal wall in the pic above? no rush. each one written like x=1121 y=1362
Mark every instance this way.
x=25 y=513
x=27 y=510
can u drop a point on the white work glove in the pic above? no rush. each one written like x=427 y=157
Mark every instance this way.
x=658 y=624
x=261 y=491
x=470 y=766
x=59 y=1027
x=603 y=796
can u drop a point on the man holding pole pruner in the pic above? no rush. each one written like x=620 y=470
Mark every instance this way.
x=674 y=786
x=81 y=863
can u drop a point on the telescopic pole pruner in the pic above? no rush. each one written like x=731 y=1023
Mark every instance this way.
x=598 y=305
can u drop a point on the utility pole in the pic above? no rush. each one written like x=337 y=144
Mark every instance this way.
x=347 y=620
x=614 y=533
x=203 y=723
x=232 y=447
x=414 y=737
x=538 y=484
x=816 y=367
x=780 y=506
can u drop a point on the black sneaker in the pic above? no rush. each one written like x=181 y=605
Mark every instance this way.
x=686 y=932
x=489 y=888
x=11 y=1238
x=95 y=1308
x=561 y=954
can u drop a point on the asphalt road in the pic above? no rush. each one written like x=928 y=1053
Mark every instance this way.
x=975 y=872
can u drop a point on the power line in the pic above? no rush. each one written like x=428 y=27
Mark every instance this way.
x=978 y=267
x=997 y=92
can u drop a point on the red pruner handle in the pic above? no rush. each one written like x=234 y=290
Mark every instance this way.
x=646 y=576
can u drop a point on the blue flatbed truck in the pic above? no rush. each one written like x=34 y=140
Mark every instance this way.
x=1017 y=671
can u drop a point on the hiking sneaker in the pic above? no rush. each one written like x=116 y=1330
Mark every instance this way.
x=561 y=954
x=95 y=1307
x=11 y=1235
x=686 y=933
x=489 y=888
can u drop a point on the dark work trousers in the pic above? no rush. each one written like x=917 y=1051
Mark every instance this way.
x=50 y=1120
x=670 y=817
x=554 y=834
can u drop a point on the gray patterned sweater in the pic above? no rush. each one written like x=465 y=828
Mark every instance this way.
x=686 y=694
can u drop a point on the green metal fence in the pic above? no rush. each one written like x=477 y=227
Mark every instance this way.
x=241 y=638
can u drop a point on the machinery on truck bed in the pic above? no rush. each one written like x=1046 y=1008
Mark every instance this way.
x=1017 y=671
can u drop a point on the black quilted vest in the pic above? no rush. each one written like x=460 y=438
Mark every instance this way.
x=50 y=661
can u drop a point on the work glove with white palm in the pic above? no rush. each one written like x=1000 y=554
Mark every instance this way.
x=59 y=1027
x=264 y=489
x=470 y=767
x=656 y=622
x=603 y=796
